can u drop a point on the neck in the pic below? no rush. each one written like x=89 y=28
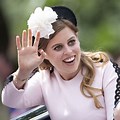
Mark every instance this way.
x=69 y=76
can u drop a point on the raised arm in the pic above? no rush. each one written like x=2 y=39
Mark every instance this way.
x=18 y=92
x=28 y=58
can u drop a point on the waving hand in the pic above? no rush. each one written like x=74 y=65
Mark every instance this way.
x=28 y=58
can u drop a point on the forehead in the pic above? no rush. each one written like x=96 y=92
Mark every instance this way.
x=62 y=36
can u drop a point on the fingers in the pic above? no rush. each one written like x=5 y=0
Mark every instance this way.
x=18 y=44
x=37 y=39
x=24 y=41
x=29 y=37
x=42 y=54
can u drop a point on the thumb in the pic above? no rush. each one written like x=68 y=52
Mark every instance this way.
x=42 y=55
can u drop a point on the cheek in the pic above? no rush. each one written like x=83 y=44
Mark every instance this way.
x=78 y=53
x=54 y=57
x=78 y=50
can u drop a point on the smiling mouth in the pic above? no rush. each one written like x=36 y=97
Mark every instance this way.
x=69 y=60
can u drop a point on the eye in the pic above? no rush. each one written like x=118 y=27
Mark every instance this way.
x=71 y=42
x=58 y=47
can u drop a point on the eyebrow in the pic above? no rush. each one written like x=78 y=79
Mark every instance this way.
x=60 y=43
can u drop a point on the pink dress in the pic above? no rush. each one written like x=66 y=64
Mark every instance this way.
x=63 y=99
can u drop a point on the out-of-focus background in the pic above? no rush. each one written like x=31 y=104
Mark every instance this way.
x=98 y=23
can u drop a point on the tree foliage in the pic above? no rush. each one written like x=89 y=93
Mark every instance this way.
x=98 y=20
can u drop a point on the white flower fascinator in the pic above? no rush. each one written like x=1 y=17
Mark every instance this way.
x=41 y=21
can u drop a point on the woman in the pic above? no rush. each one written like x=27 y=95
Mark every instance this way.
x=52 y=70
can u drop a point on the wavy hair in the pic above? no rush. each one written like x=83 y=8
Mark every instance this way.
x=88 y=60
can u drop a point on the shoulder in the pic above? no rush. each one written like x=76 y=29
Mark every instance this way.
x=42 y=74
x=107 y=68
x=110 y=74
x=106 y=72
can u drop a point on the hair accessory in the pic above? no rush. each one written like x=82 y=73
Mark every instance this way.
x=41 y=21
x=65 y=13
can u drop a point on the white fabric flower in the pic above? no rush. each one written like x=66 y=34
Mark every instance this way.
x=41 y=21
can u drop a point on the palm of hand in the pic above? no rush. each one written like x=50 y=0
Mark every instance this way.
x=28 y=58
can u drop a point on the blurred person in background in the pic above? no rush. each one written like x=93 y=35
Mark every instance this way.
x=6 y=66
x=54 y=71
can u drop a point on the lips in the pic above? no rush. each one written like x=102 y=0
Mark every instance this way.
x=69 y=59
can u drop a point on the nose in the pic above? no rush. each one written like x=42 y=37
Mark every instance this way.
x=67 y=50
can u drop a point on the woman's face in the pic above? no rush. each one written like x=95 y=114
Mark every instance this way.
x=63 y=52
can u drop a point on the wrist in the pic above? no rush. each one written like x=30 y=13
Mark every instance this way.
x=19 y=83
x=21 y=74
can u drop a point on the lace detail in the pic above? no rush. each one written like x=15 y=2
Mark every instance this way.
x=117 y=91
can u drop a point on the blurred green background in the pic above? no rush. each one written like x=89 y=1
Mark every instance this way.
x=98 y=23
